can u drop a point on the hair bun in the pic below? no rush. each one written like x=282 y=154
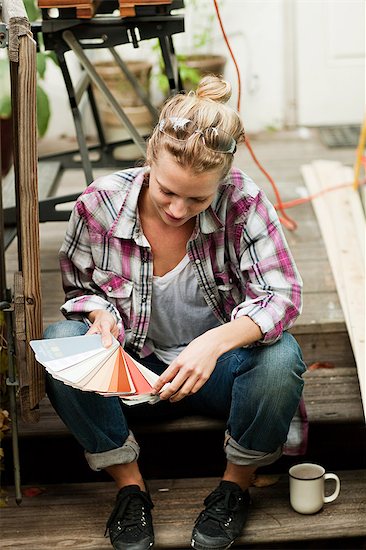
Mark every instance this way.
x=215 y=88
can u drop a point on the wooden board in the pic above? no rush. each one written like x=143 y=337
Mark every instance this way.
x=85 y=9
x=74 y=515
x=331 y=395
x=22 y=56
x=330 y=347
x=128 y=8
x=342 y=223
x=47 y=176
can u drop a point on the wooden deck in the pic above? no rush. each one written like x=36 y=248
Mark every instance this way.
x=64 y=514
x=82 y=510
x=331 y=396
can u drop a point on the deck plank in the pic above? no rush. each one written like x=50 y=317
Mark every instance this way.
x=74 y=515
x=331 y=395
x=47 y=175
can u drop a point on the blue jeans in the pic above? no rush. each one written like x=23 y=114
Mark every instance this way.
x=255 y=390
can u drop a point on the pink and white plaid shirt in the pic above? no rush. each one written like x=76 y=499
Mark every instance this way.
x=238 y=252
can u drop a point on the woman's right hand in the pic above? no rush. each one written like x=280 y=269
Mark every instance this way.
x=103 y=323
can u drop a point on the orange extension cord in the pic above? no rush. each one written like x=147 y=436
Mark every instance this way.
x=288 y=222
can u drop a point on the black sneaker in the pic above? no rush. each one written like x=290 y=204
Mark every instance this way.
x=130 y=523
x=223 y=519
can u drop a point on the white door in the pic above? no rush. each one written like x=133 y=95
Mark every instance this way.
x=330 y=61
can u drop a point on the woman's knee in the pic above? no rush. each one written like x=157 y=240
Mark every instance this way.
x=283 y=364
x=285 y=353
x=277 y=368
x=65 y=329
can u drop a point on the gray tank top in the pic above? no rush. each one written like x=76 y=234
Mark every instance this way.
x=179 y=312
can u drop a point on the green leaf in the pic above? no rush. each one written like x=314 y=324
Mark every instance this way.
x=53 y=57
x=163 y=83
x=189 y=74
x=32 y=10
x=43 y=111
x=41 y=64
x=5 y=106
x=5 y=100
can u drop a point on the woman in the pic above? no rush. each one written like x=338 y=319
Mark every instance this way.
x=184 y=261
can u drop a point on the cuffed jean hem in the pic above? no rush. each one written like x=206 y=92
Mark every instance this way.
x=247 y=457
x=129 y=452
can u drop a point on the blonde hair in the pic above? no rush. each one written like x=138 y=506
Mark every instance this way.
x=205 y=107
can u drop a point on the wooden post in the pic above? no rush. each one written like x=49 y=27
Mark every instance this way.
x=28 y=325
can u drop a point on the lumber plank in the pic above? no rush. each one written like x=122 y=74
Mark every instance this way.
x=47 y=173
x=22 y=55
x=127 y=8
x=74 y=515
x=344 y=245
x=85 y=9
x=27 y=191
x=333 y=348
x=322 y=313
x=47 y=177
x=331 y=395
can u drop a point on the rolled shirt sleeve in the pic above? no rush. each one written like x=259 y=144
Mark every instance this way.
x=273 y=291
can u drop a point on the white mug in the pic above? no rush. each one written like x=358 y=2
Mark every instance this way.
x=307 y=487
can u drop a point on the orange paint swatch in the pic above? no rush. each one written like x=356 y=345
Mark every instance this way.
x=140 y=382
x=113 y=386
x=124 y=385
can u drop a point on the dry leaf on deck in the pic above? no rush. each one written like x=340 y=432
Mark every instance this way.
x=33 y=491
x=321 y=365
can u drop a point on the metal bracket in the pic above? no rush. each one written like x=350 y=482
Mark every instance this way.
x=4 y=35
x=12 y=383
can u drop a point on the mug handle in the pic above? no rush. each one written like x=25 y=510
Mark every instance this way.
x=334 y=495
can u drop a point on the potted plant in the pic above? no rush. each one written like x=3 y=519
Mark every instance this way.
x=192 y=66
x=123 y=91
x=6 y=137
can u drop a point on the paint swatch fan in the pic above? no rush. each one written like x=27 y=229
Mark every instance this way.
x=84 y=363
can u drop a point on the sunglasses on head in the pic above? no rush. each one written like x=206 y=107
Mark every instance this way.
x=182 y=129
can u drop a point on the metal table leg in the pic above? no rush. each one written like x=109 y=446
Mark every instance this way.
x=74 y=45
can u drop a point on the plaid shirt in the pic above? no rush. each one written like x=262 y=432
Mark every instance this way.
x=238 y=252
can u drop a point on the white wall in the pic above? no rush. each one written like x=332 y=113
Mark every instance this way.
x=255 y=29
x=61 y=121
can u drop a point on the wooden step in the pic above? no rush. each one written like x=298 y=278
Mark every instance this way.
x=74 y=515
x=47 y=178
x=332 y=395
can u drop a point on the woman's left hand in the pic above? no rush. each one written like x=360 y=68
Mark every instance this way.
x=190 y=370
